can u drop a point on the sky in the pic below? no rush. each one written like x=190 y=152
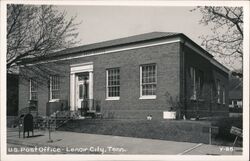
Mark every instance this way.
x=101 y=23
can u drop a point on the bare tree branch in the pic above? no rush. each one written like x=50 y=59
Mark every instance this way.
x=37 y=30
x=227 y=26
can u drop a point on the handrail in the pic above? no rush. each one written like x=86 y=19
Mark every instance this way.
x=59 y=118
x=90 y=105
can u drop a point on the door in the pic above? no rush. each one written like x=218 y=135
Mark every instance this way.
x=82 y=88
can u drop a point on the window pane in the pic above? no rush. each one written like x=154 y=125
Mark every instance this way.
x=148 y=79
x=218 y=92
x=113 y=82
x=33 y=89
x=55 y=87
x=80 y=91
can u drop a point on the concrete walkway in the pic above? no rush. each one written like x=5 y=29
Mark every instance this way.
x=82 y=143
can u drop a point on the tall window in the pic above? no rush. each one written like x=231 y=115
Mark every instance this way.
x=54 y=87
x=81 y=91
x=33 y=89
x=218 y=91
x=223 y=95
x=148 y=80
x=113 y=83
x=197 y=77
x=193 y=83
x=200 y=80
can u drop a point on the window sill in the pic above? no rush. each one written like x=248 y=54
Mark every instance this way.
x=147 y=97
x=112 y=98
x=199 y=100
x=33 y=100
x=193 y=98
x=54 y=100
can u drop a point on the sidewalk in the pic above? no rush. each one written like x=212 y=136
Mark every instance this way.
x=82 y=143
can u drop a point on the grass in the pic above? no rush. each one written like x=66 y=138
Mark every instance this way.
x=175 y=130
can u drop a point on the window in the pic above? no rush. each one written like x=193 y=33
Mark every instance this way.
x=235 y=103
x=113 y=83
x=54 y=87
x=33 y=89
x=148 y=81
x=218 y=91
x=193 y=83
x=223 y=95
x=81 y=91
x=211 y=93
x=200 y=80
x=196 y=83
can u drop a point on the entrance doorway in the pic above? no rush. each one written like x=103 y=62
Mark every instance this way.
x=82 y=88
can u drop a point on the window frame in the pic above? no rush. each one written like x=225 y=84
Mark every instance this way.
x=193 y=79
x=200 y=84
x=218 y=91
x=223 y=95
x=51 y=90
x=141 y=84
x=31 y=91
x=197 y=78
x=107 y=85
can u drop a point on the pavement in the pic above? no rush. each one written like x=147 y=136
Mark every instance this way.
x=62 y=142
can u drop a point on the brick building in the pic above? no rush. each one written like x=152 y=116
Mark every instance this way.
x=129 y=78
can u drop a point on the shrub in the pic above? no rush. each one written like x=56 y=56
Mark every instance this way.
x=225 y=125
x=235 y=110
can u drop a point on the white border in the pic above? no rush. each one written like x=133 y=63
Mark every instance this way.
x=246 y=49
x=245 y=155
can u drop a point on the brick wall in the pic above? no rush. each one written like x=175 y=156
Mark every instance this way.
x=173 y=64
x=206 y=105
x=166 y=58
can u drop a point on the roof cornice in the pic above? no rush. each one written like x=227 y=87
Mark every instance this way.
x=179 y=37
x=114 y=49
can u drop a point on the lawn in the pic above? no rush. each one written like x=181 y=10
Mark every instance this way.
x=175 y=130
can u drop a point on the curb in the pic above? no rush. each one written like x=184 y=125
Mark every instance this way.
x=190 y=149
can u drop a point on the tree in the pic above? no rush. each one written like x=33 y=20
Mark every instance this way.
x=227 y=27
x=36 y=31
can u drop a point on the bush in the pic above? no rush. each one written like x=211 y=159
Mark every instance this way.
x=225 y=125
x=235 y=110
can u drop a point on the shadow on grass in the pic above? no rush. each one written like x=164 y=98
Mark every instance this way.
x=52 y=141
x=34 y=136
